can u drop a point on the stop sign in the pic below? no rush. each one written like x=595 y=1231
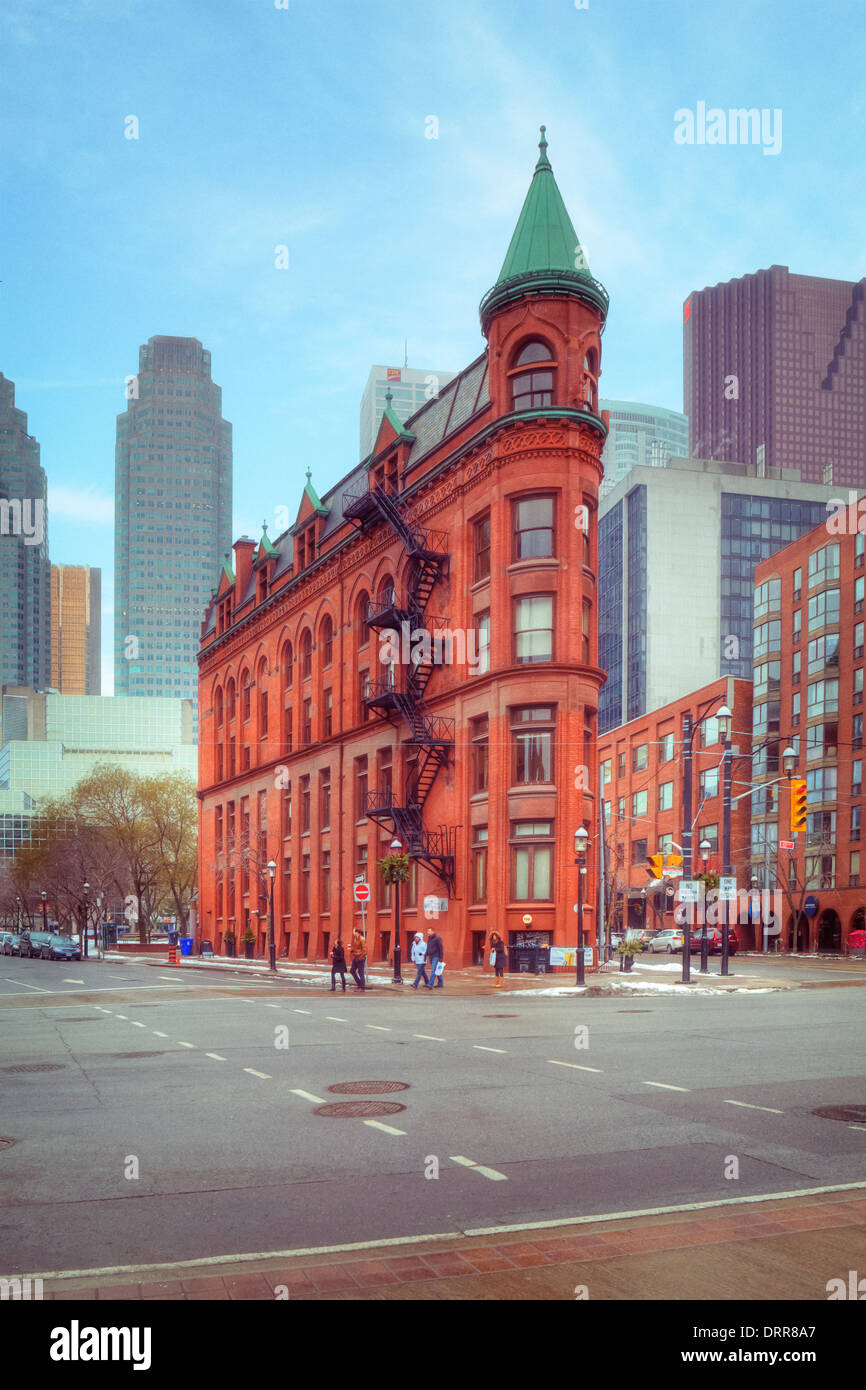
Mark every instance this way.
x=362 y=892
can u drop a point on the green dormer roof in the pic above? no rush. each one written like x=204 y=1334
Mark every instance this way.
x=310 y=491
x=265 y=547
x=544 y=255
x=227 y=569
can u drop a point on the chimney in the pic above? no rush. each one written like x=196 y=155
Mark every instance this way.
x=244 y=550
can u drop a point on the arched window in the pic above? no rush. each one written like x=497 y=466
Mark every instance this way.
x=286 y=666
x=262 y=688
x=590 y=377
x=361 y=618
x=327 y=641
x=218 y=706
x=246 y=694
x=306 y=655
x=231 y=708
x=532 y=377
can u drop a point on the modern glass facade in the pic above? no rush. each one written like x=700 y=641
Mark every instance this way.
x=641 y=434
x=637 y=596
x=610 y=581
x=753 y=529
x=173 y=492
x=25 y=572
x=76 y=638
x=410 y=387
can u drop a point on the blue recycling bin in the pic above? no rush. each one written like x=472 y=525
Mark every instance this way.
x=185 y=945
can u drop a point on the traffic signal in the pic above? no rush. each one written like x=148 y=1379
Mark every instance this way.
x=654 y=865
x=798 y=804
x=674 y=861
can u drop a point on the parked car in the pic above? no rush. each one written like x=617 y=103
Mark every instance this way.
x=669 y=940
x=714 y=940
x=32 y=942
x=645 y=936
x=60 y=947
x=9 y=943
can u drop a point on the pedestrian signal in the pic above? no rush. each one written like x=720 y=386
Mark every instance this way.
x=798 y=804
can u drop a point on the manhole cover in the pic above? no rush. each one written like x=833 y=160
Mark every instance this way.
x=358 y=1109
x=852 y=1114
x=368 y=1088
x=36 y=1066
x=126 y=1056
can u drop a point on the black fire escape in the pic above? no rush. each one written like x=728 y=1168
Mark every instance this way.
x=402 y=696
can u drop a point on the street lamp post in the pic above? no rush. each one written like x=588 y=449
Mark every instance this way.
x=272 y=945
x=705 y=848
x=18 y=915
x=581 y=842
x=689 y=729
x=397 y=848
x=86 y=911
x=44 y=911
x=723 y=717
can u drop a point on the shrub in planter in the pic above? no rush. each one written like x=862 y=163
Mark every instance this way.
x=627 y=950
x=230 y=943
x=249 y=940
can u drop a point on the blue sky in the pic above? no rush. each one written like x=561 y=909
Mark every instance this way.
x=305 y=127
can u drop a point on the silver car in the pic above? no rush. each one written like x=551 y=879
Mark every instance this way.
x=669 y=940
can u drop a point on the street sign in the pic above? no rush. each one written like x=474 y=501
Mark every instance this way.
x=690 y=889
x=727 y=890
x=361 y=892
x=787 y=844
x=810 y=905
x=527 y=918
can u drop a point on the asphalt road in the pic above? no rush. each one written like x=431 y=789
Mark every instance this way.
x=171 y=1122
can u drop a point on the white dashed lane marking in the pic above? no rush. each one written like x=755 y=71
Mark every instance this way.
x=331 y=1019
x=302 y=1011
x=378 y=1026
x=263 y=1074
x=479 y=1048
x=428 y=1037
x=746 y=1106
x=138 y=1025
x=38 y=988
x=157 y=1034
x=73 y=982
x=305 y=1095
x=386 y=1129
x=216 y=1056
x=492 y=1173
x=575 y=1065
x=663 y=1086
x=183 y=1044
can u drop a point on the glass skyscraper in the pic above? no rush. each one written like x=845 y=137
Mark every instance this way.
x=25 y=571
x=640 y=435
x=173 y=509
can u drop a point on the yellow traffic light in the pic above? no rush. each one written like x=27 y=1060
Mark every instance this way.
x=654 y=865
x=674 y=861
x=798 y=804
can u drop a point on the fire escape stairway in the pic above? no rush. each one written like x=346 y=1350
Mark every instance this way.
x=432 y=735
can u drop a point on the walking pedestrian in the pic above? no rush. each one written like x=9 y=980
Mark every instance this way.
x=435 y=955
x=419 y=957
x=498 y=959
x=359 y=957
x=338 y=965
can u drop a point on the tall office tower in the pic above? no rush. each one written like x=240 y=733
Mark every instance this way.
x=410 y=387
x=173 y=488
x=646 y=435
x=775 y=374
x=25 y=582
x=677 y=550
x=76 y=637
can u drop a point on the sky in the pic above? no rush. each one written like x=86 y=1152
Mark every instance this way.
x=306 y=124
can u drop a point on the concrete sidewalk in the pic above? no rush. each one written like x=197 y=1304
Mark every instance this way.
x=781 y=1248
x=650 y=976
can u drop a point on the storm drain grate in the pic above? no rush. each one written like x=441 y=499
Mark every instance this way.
x=368 y=1088
x=358 y=1109
x=36 y=1066
x=851 y=1114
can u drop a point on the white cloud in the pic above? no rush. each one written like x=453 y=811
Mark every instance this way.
x=83 y=504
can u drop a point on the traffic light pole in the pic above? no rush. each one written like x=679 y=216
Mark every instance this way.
x=688 y=734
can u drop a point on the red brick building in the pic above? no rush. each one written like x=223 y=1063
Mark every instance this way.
x=416 y=656
x=809 y=661
x=641 y=779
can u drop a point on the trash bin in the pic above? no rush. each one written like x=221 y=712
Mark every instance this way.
x=185 y=945
x=206 y=948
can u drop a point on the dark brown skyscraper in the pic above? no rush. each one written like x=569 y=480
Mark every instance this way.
x=779 y=360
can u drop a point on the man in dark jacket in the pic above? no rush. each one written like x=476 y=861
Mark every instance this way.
x=435 y=953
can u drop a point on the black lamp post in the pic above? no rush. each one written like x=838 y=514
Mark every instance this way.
x=272 y=945
x=86 y=911
x=397 y=848
x=704 y=848
x=723 y=717
x=581 y=841
x=44 y=911
x=18 y=915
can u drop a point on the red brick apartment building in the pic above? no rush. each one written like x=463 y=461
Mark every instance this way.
x=335 y=710
x=808 y=691
x=641 y=779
